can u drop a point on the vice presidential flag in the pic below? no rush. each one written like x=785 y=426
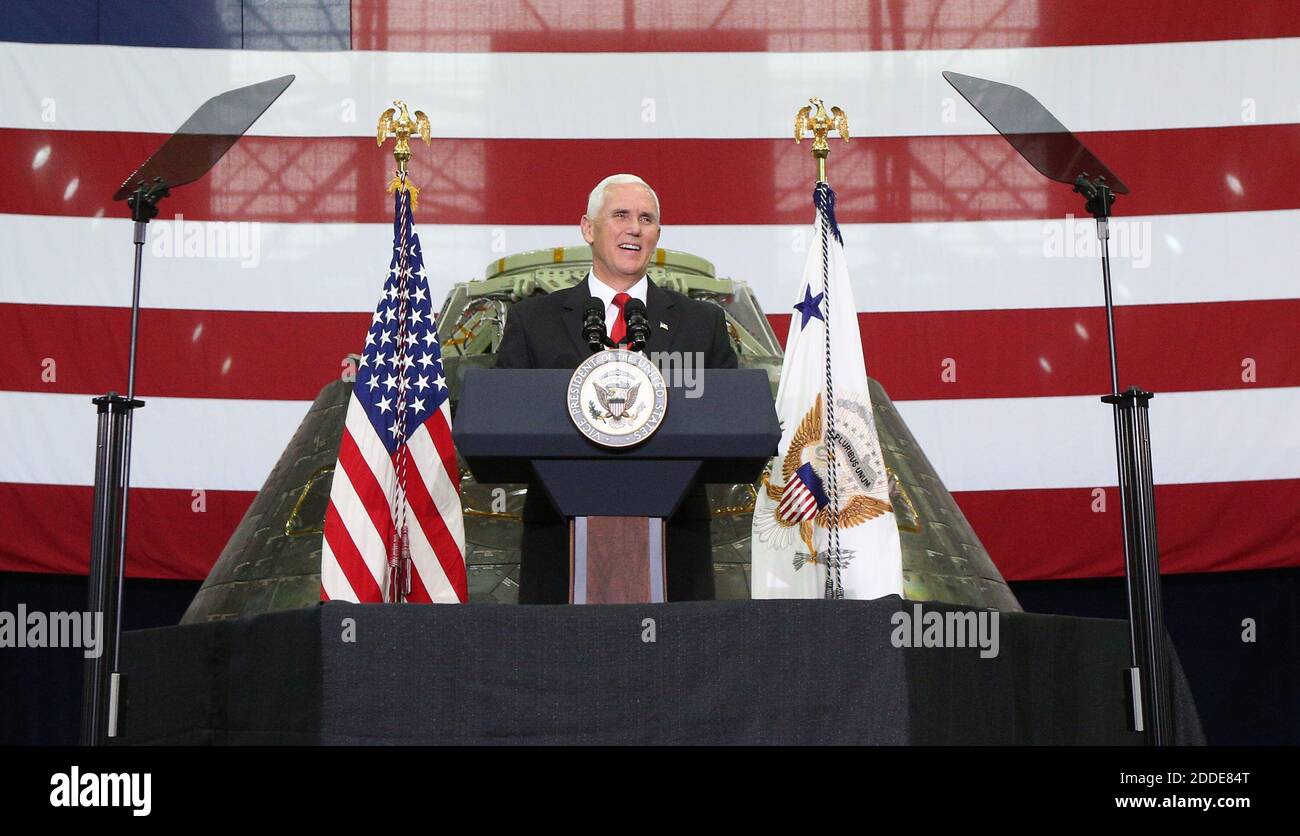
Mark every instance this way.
x=823 y=525
x=393 y=529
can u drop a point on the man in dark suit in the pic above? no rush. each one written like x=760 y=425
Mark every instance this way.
x=545 y=332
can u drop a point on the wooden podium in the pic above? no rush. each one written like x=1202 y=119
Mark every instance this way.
x=512 y=425
x=617 y=560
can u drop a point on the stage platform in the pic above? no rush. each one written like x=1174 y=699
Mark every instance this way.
x=725 y=672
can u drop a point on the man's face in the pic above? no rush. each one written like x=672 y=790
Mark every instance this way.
x=624 y=235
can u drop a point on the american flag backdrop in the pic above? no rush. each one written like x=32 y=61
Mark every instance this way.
x=979 y=297
x=393 y=526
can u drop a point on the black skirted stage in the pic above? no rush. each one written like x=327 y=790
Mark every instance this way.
x=743 y=672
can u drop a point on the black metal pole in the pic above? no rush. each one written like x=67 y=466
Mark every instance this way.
x=1132 y=580
x=103 y=682
x=1149 y=674
x=138 y=238
x=101 y=580
x=1157 y=657
x=1153 y=708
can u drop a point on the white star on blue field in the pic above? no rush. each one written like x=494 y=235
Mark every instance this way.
x=391 y=375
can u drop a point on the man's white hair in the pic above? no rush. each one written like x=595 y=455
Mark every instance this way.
x=596 y=201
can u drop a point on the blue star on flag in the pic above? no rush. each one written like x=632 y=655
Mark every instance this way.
x=810 y=307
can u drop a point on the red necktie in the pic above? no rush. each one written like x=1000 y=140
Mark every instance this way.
x=619 y=329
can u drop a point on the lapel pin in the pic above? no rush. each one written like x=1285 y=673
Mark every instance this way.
x=663 y=325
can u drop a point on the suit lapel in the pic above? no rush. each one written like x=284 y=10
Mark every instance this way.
x=664 y=316
x=575 y=300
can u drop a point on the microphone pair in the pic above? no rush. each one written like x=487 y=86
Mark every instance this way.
x=635 y=317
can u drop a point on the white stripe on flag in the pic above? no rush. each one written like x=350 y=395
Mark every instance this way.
x=187 y=443
x=1068 y=442
x=360 y=527
x=476 y=95
x=976 y=444
x=332 y=580
x=951 y=266
x=425 y=454
x=372 y=449
x=426 y=466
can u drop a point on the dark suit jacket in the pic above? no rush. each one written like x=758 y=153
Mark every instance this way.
x=545 y=332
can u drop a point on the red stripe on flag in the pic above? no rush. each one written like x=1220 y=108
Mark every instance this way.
x=998 y=353
x=349 y=559
x=1031 y=534
x=182 y=353
x=426 y=513
x=1215 y=527
x=173 y=534
x=763 y=181
x=440 y=432
x=419 y=594
x=377 y=504
x=374 y=498
x=802 y=25
x=1041 y=352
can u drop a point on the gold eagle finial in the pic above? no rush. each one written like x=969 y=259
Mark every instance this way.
x=820 y=123
x=397 y=122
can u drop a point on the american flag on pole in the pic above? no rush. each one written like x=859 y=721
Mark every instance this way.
x=393 y=529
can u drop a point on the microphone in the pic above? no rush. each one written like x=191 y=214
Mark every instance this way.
x=593 y=324
x=638 y=324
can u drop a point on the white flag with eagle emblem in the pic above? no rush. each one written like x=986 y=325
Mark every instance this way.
x=823 y=524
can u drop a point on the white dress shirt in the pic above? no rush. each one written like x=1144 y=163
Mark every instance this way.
x=606 y=294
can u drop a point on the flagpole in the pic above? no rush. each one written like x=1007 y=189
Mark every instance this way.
x=815 y=118
x=834 y=589
x=397 y=566
x=396 y=122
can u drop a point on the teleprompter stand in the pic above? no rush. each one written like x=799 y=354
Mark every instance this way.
x=186 y=156
x=1059 y=155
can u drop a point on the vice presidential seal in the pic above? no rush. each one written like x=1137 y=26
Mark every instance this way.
x=617 y=398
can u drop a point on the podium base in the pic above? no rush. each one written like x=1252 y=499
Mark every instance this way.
x=616 y=560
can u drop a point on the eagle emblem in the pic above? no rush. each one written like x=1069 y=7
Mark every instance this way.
x=806 y=445
x=397 y=122
x=820 y=123
x=615 y=399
